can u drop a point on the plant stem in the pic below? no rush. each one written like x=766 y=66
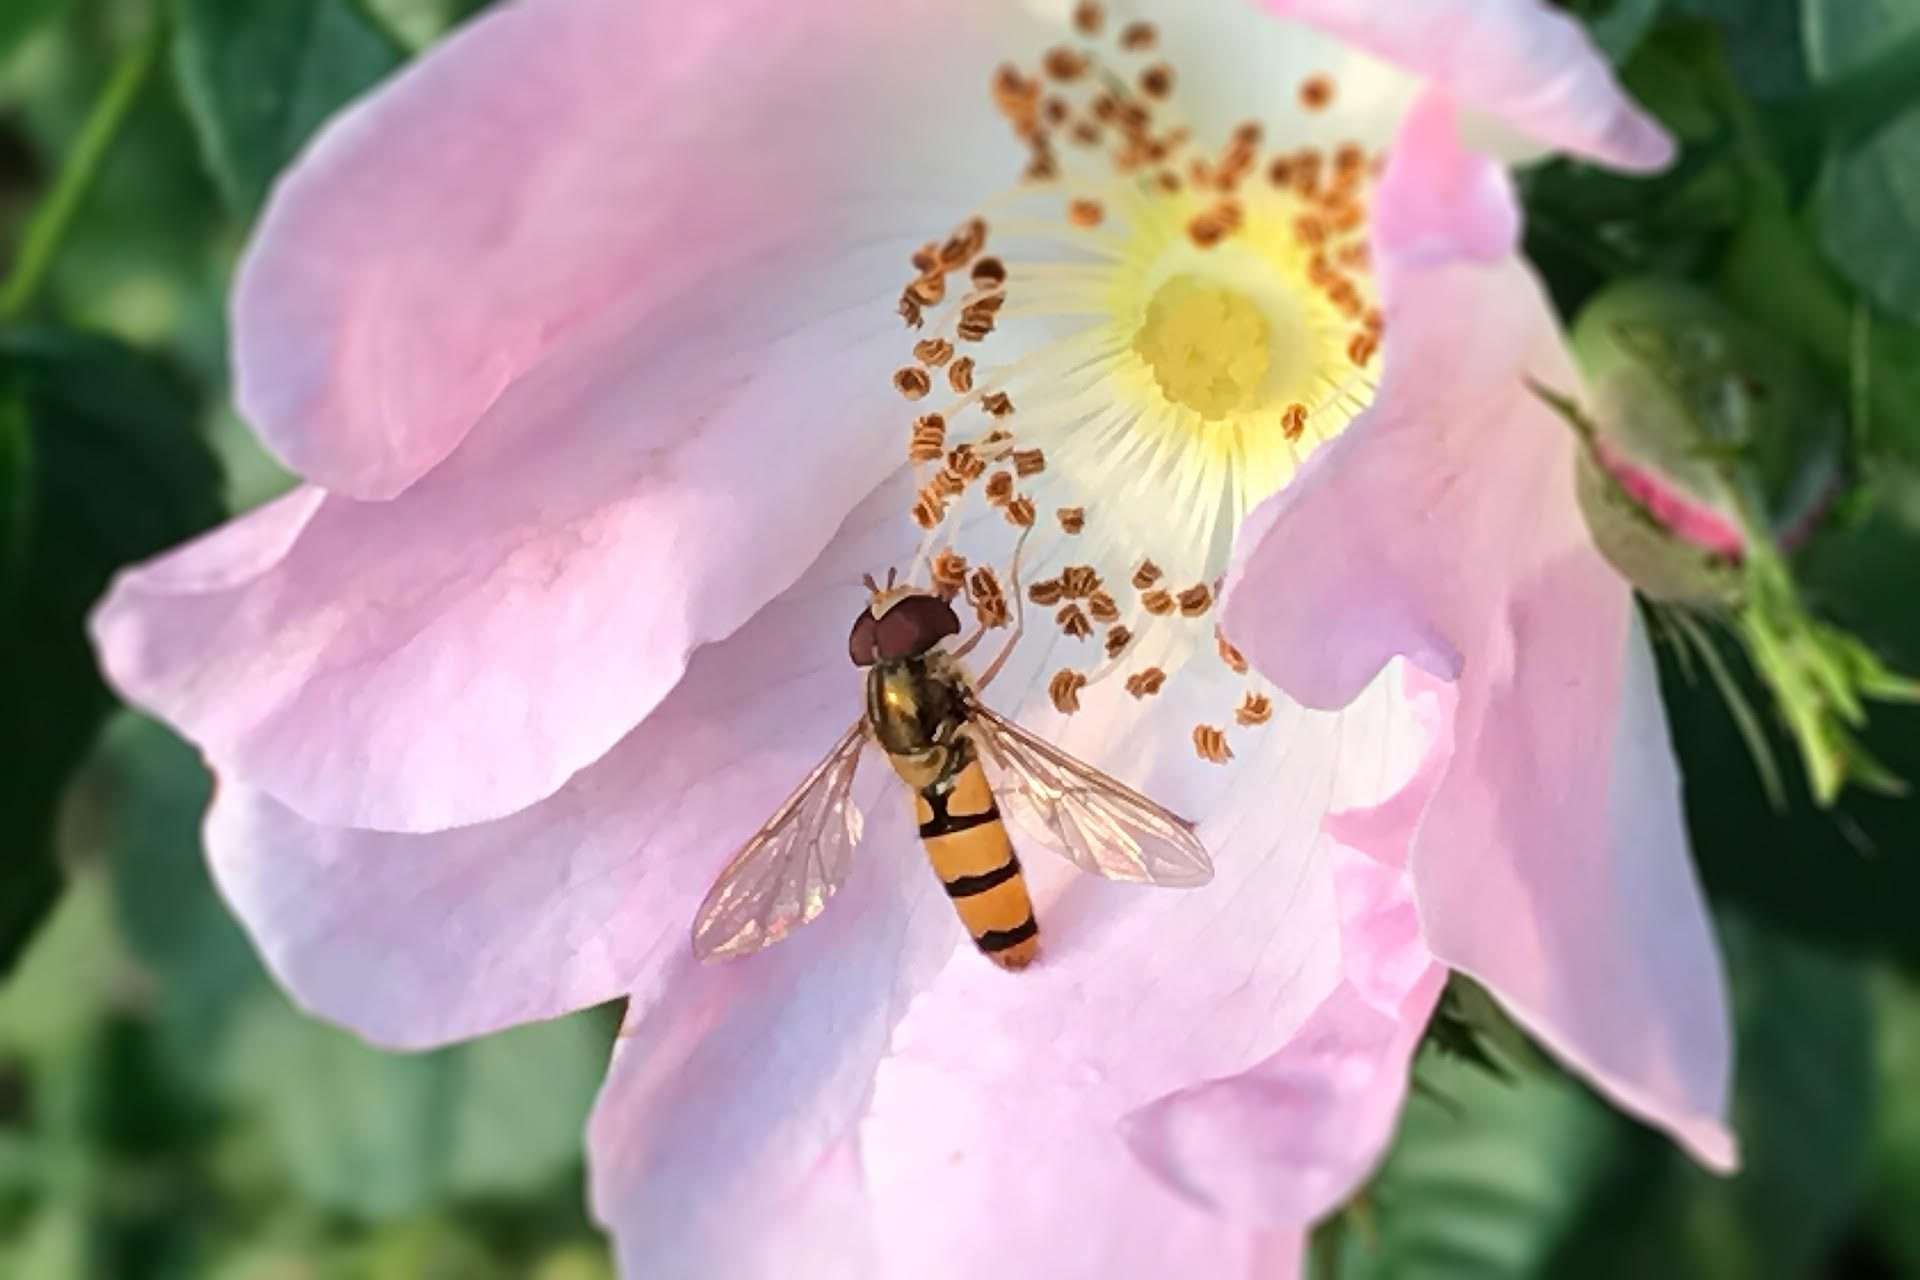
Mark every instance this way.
x=50 y=222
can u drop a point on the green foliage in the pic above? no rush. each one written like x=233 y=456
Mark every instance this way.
x=1868 y=203
x=102 y=467
x=1534 y=1175
x=21 y=18
x=259 y=78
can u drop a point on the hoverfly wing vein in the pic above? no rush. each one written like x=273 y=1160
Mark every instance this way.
x=783 y=876
x=1100 y=824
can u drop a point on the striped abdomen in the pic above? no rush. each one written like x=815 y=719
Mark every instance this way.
x=968 y=846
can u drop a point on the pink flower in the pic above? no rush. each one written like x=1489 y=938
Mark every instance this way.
x=587 y=336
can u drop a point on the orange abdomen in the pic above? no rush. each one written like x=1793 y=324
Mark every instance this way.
x=968 y=846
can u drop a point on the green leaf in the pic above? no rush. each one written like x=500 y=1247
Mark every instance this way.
x=1867 y=203
x=1894 y=1201
x=102 y=469
x=1615 y=25
x=379 y=1135
x=260 y=78
x=1763 y=42
x=1541 y=1177
x=1862 y=569
x=21 y=18
x=1846 y=877
x=148 y=790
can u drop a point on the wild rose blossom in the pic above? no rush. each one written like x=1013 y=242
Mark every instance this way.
x=603 y=338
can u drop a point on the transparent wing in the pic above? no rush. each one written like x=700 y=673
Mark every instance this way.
x=1100 y=824
x=783 y=877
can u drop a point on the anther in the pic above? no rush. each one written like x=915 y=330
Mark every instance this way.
x=929 y=440
x=966 y=461
x=1083 y=212
x=1157 y=602
x=1065 y=689
x=1360 y=347
x=1117 y=640
x=967 y=239
x=1146 y=575
x=926 y=258
x=948 y=483
x=1196 y=600
x=1316 y=92
x=989 y=273
x=1000 y=488
x=998 y=404
x=1138 y=36
x=1293 y=423
x=1102 y=609
x=1211 y=743
x=1256 y=710
x=948 y=571
x=1046 y=593
x=1028 y=462
x=933 y=352
x=929 y=290
x=912 y=383
x=1157 y=80
x=1230 y=655
x=1072 y=519
x=1079 y=581
x=1073 y=621
x=1144 y=684
x=1063 y=63
x=1021 y=512
x=960 y=375
x=988 y=601
x=1088 y=18
x=929 y=509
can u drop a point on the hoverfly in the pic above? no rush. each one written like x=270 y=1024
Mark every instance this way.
x=925 y=713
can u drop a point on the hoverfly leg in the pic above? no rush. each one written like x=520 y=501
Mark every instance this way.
x=1019 y=617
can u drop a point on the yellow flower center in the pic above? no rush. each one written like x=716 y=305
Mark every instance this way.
x=1209 y=346
x=1125 y=355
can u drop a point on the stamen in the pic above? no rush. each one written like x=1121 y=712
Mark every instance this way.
x=1028 y=462
x=1256 y=710
x=1157 y=602
x=1073 y=621
x=1085 y=213
x=1138 y=37
x=1072 y=519
x=1065 y=689
x=1230 y=655
x=929 y=440
x=1079 y=581
x=912 y=383
x=1101 y=608
x=1211 y=743
x=933 y=352
x=988 y=601
x=1046 y=593
x=1316 y=92
x=1088 y=18
x=948 y=572
x=1196 y=600
x=960 y=375
x=1021 y=513
x=1146 y=575
x=1117 y=640
x=1144 y=684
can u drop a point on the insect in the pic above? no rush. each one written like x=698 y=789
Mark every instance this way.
x=925 y=714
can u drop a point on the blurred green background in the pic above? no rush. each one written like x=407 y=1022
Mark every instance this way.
x=164 y=1111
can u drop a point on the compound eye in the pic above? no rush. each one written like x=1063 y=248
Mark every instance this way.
x=862 y=644
x=914 y=625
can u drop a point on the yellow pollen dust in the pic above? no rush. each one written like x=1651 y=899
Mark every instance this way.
x=1209 y=346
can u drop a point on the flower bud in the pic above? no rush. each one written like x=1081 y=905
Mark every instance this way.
x=1702 y=429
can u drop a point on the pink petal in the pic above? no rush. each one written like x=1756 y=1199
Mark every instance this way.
x=1290 y=1139
x=1519 y=59
x=558 y=158
x=1552 y=863
x=420 y=939
x=457 y=653
x=811 y=1121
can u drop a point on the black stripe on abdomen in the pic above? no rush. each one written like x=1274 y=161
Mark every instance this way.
x=1000 y=939
x=967 y=886
x=943 y=823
